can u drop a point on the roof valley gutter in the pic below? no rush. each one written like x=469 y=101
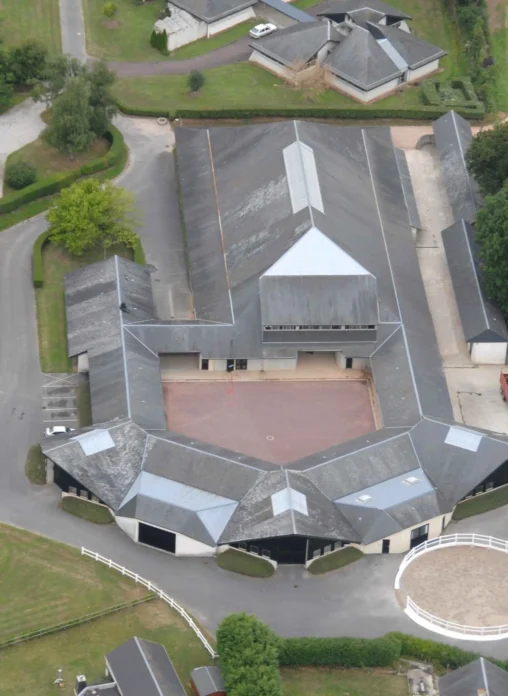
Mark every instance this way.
x=391 y=272
x=123 y=339
x=148 y=666
x=473 y=266
x=140 y=341
x=220 y=223
x=386 y=339
x=302 y=165
x=290 y=501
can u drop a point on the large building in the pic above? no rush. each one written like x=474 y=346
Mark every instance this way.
x=299 y=243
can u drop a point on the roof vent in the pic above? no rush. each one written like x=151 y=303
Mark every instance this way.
x=411 y=480
x=364 y=498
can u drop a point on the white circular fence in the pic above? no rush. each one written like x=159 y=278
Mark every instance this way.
x=423 y=618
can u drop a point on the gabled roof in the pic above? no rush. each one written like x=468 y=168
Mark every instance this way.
x=470 y=679
x=407 y=187
x=482 y=322
x=413 y=50
x=207 y=681
x=297 y=44
x=342 y=7
x=142 y=667
x=212 y=10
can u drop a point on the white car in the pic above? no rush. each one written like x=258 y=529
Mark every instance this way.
x=57 y=429
x=262 y=30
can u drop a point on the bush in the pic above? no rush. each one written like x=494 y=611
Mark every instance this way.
x=35 y=467
x=248 y=653
x=109 y=9
x=92 y=512
x=195 y=81
x=19 y=175
x=159 y=41
x=338 y=652
x=37 y=267
x=139 y=253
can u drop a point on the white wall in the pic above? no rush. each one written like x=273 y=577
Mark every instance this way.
x=185 y=546
x=422 y=71
x=401 y=541
x=230 y=21
x=129 y=526
x=217 y=365
x=279 y=364
x=270 y=65
x=341 y=86
x=488 y=353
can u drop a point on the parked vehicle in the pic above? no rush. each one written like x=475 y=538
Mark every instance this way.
x=503 y=379
x=262 y=30
x=57 y=429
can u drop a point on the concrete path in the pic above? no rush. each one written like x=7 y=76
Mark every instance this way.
x=72 y=26
x=18 y=127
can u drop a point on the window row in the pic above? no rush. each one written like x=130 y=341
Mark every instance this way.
x=320 y=327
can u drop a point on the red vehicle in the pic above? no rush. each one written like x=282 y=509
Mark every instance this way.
x=503 y=379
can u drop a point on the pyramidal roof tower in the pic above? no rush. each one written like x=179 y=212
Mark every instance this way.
x=316 y=283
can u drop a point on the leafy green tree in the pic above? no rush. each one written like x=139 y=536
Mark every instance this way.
x=27 y=61
x=20 y=174
x=248 y=651
x=492 y=238
x=91 y=213
x=70 y=128
x=58 y=70
x=195 y=81
x=101 y=79
x=487 y=158
x=6 y=91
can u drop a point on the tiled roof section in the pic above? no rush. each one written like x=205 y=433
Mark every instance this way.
x=212 y=10
x=298 y=44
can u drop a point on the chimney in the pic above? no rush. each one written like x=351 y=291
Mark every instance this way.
x=80 y=684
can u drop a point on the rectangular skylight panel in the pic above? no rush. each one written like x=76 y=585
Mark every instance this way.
x=281 y=502
x=298 y=502
x=364 y=498
x=311 y=177
x=465 y=439
x=95 y=441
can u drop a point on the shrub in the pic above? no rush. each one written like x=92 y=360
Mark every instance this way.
x=19 y=175
x=338 y=652
x=37 y=267
x=248 y=653
x=109 y=9
x=432 y=651
x=195 y=81
x=159 y=41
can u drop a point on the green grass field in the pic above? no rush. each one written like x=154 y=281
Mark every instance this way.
x=245 y=564
x=481 y=503
x=336 y=682
x=35 y=467
x=50 y=303
x=43 y=583
x=335 y=560
x=31 y=19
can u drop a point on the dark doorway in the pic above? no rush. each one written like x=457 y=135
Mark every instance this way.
x=419 y=535
x=349 y=363
x=204 y=364
x=287 y=549
x=160 y=538
x=386 y=546
x=230 y=365
x=240 y=364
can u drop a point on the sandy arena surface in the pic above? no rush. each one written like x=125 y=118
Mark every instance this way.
x=467 y=585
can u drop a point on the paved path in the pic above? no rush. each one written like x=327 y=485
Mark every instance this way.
x=72 y=25
x=18 y=127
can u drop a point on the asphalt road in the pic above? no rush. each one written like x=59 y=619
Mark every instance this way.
x=72 y=27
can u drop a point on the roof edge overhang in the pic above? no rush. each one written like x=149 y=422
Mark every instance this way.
x=221 y=15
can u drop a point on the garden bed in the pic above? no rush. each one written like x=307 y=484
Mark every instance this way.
x=481 y=503
x=91 y=512
x=334 y=560
x=245 y=564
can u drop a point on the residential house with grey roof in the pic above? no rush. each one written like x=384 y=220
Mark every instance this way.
x=299 y=240
x=366 y=48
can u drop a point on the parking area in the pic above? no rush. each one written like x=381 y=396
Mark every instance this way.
x=59 y=399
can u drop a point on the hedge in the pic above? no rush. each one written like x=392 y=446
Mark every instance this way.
x=432 y=95
x=338 y=652
x=54 y=184
x=37 y=266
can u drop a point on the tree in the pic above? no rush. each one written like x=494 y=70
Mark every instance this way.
x=91 y=213
x=58 y=70
x=487 y=158
x=492 y=239
x=70 y=128
x=195 y=81
x=27 y=61
x=6 y=91
x=101 y=79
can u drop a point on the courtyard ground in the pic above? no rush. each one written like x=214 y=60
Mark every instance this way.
x=31 y=19
x=279 y=421
x=468 y=585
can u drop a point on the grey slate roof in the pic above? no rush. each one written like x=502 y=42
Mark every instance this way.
x=482 y=321
x=411 y=48
x=207 y=681
x=289 y=10
x=471 y=678
x=342 y=7
x=453 y=136
x=142 y=667
x=212 y=10
x=297 y=44
x=407 y=187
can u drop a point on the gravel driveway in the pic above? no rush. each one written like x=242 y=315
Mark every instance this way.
x=19 y=126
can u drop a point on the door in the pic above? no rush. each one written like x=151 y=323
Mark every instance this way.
x=349 y=363
x=386 y=546
x=230 y=365
x=419 y=535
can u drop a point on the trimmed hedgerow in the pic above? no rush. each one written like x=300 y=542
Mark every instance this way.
x=37 y=267
x=338 y=652
x=437 y=653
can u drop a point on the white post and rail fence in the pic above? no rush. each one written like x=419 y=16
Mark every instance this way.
x=152 y=588
x=423 y=618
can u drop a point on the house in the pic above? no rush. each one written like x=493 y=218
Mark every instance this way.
x=366 y=48
x=478 y=678
x=300 y=246
x=207 y=681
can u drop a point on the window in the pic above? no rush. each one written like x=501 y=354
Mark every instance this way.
x=241 y=364
x=204 y=364
x=319 y=327
x=349 y=363
x=419 y=531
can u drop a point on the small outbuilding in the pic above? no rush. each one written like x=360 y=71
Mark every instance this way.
x=207 y=681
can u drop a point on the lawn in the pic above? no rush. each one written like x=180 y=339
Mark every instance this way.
x=91 y=512
x=84 y=405
x=32 y=667
x=43 y=583
x=35 y=467
x=334 y=560
x=31 y=19
x=481 y=503
x=50 y=303
x=499 y=48
x=49 y=161
x=337 y=682
x=245 y=564
x=242 y=86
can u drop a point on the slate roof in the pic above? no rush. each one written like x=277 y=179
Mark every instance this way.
x=482 y=321
x=453 y=135
x=212 y=10
x=289 y=10
x=414 y=51
x=142 y=667
x=342 y=7
x=471 y=678
x=407 y=187
x=207 y=681
x=297 y=44
x=249 y=195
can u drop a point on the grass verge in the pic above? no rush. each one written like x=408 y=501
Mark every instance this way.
x=245 y=564
x=31 y=19
x=202 y=46
x=35 y=467
x=32 y=668
x=91 y=512
x=481 y=503
x=305 y=681
x=334 y=560
x=84 y=405
x=499 y=49
x=49 y=299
